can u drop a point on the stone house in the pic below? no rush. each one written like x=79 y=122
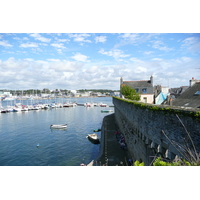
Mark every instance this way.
x=143 y=87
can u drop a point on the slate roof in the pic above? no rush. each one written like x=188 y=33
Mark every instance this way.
x=135 y=84
x=188 y=98
x=139 y=86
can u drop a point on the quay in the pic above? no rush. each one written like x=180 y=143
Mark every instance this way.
x=110 y=153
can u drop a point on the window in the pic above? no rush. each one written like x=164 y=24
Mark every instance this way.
x=137 y=90
x=144 y=90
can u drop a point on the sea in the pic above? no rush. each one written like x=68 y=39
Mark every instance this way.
x=21 y=132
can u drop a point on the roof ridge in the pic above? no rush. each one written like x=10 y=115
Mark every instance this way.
x=136 y=81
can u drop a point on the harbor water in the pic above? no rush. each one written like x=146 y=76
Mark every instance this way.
x=21 y=132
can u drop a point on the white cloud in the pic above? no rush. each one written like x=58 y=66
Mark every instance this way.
x=186 y=59
x=53 y=60
x=5 y=44
x=29 y=44
x=37 y=36
x=56 y=73
x=159 y=59
x=100 y=39
x=64 y=65
x=62 y=40
x=134 y=38
x=58 y=45
x=140 y=70
x=189 y=41
x=116 y=53
x=92 y=69
x=80 y=57
x=192 y=44
x=136 y=60
x=148 y=52
x=80 y=37
x=160 y=46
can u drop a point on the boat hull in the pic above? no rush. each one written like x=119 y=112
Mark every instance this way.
x=59 y=126
x=93 y=138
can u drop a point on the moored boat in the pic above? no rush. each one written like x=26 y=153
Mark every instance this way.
x=59 y=126
x=106 y=111
x=93 y=138
x=97 y=130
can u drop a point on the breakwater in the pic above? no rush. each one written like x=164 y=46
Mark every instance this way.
x=143 y=126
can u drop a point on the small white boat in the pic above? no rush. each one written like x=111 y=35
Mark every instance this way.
x=58 y=126
x=93 y=138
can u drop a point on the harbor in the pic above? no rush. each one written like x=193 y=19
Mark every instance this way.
x=28 y=140
x=22 y=105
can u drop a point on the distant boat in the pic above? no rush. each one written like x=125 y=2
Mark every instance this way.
x=58 y=126
x=9 y=98
x=3 y=111
x=93 y=138
x=88 y=104
x=97 y=130
x=69 y=104
x=106 y=111
x=103 y=105
x=37 y=145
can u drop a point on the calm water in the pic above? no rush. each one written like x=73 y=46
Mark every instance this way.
x=20 y=132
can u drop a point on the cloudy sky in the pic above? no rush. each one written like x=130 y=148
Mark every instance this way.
x=96 y=60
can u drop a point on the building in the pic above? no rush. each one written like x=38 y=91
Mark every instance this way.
x=161 y=94
x=143 y=87
x=190 y=98
x=176 y=92
x=193 y=81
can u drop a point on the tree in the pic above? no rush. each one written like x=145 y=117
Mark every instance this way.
x=129 y=93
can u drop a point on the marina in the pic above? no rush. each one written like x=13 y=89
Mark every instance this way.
x=28 y=140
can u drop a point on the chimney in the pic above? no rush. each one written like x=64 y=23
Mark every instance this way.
x=151 y=79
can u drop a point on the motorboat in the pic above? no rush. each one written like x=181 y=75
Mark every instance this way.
x=97 y=130
x=93 y=138
x=59 y=126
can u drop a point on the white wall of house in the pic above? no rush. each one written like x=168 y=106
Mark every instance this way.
x=147 y=98
x=165 y=90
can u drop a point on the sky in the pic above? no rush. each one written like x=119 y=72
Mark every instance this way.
x=97 y=60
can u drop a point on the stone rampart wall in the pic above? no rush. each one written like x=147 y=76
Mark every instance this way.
x=142 y=128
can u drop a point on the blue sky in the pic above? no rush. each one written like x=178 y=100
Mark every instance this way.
x=97 y=60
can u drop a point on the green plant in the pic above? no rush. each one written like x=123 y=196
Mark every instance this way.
x=137 y=163
x=129 y=93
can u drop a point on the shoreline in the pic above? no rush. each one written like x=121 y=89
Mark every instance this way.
x=110 y=153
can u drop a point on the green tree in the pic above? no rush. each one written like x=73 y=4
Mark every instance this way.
x=129 y=93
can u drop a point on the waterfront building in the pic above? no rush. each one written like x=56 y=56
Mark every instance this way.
x=143 y=87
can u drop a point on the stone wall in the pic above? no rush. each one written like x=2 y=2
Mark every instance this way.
x=143 y=130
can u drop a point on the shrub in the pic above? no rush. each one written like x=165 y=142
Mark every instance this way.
x=129 y=93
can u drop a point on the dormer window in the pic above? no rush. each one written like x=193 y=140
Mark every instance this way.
x=137 y=90
x=144 y=90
